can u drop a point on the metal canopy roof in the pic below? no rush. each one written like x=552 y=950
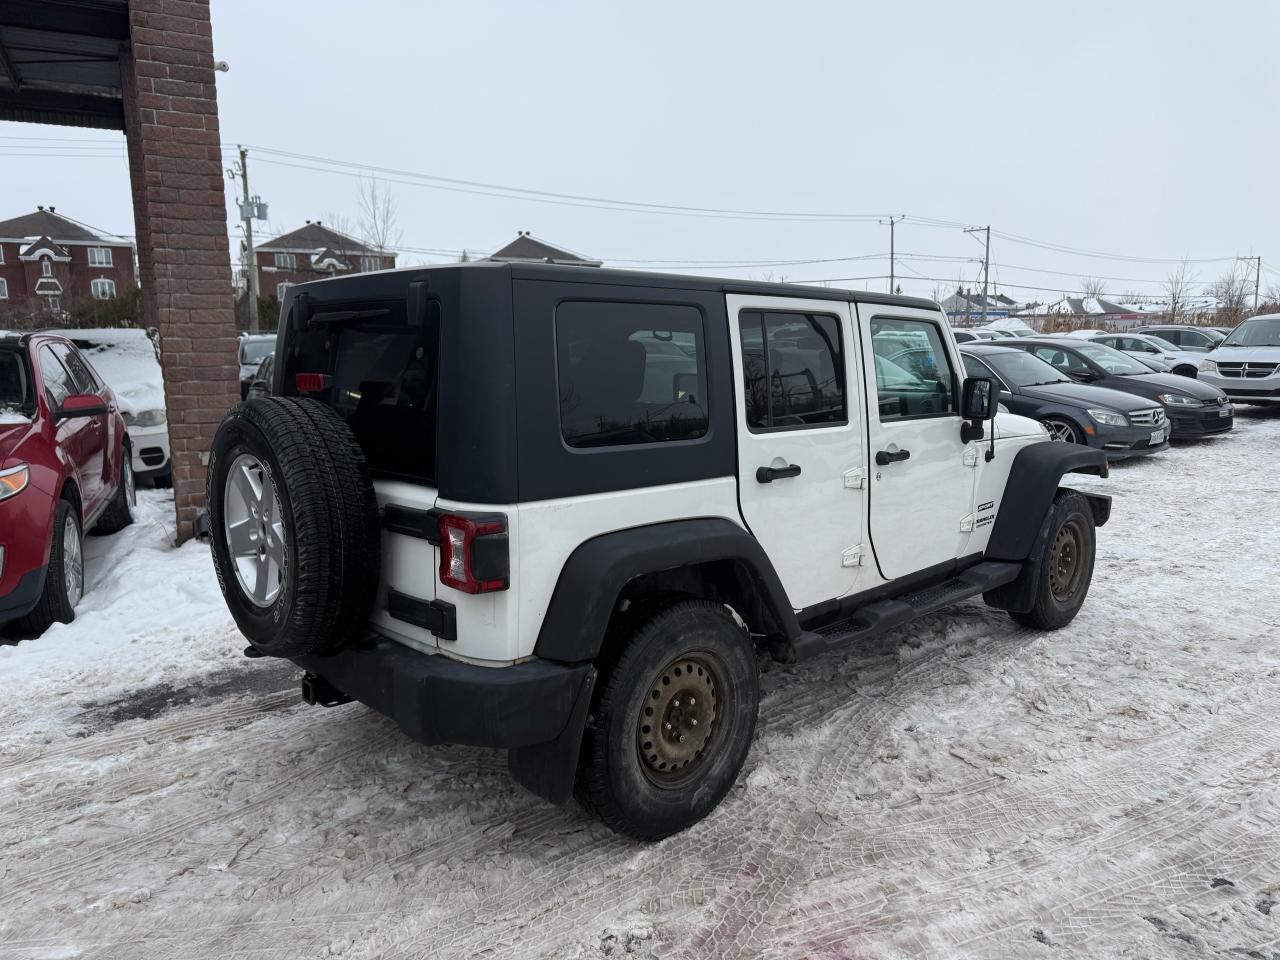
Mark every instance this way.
x=60 y=61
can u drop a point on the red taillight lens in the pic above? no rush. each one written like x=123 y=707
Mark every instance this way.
x=312 y=382
x=473 y=553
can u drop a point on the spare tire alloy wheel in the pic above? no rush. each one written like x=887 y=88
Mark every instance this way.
x=296 y=542
x=254 y=530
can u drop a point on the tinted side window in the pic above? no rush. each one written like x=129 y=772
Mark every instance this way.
x=793 y=369
x=630 y=373
x=81 y=376
x=1062 y=360
x=58 y=384
x=913 y=371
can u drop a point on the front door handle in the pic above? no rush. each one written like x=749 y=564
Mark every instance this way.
x=885 y=457
x=770 y=474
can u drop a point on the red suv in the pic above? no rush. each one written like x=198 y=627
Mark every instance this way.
x=64 y=467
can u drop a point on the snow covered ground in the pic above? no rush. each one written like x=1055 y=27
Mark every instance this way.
x=963 y=789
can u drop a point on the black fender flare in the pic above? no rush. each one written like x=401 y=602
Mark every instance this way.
x=595 y=574
x=1029 y=493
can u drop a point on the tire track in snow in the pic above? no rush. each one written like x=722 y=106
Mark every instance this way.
x=1017 y=808
x=742 y=831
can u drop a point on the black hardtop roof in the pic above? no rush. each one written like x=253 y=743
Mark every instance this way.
x=616 y=277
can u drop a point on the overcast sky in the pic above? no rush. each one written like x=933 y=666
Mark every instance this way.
x=1146 y=130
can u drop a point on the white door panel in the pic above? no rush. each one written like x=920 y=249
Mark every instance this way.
x=810 y=523
x=922 y=485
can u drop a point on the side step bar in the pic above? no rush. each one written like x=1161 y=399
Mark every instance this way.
x=882 y=615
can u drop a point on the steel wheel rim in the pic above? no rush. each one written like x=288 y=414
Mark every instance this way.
x=1066 y=564
x=253 y=526
x=1060 y=432
x=72 y=561
x=681 y=721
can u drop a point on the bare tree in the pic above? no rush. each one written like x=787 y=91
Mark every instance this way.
x=1234 y=293
x=378 y=222
x=938 y=293
x=1093 y=287
x=340 y=223
x=1177 y=287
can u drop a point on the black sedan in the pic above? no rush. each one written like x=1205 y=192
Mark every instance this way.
x=1122 y=424
x=1194 y=408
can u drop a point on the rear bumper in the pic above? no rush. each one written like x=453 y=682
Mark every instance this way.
x=536 y=709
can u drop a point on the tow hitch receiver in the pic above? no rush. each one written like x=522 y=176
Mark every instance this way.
x=318 y=691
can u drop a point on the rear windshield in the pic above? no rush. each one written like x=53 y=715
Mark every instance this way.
x=383 y=374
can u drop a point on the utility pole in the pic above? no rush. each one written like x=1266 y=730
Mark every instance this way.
x=250 y=208
x=1257 y=278
x=986 y=266
x=891 y=221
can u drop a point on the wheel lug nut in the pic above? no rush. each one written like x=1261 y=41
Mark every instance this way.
x=682 y=738
x=693 y=723
x=692 y=701
x=668 y=726
x=676 y=703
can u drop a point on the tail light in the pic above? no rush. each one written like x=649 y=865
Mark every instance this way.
x=474 y=556
x=312 y=382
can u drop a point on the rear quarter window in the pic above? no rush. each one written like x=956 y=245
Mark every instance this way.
x=630 y=373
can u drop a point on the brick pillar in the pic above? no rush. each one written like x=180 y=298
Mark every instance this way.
x=176 y=170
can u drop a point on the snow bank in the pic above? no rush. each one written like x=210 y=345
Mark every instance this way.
x=126 y=359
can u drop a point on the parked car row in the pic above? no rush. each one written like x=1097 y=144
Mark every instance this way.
x=1083 y=391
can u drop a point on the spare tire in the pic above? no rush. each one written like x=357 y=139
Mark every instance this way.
x=294 y=526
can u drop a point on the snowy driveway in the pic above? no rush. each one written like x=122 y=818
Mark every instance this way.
x=964 y=789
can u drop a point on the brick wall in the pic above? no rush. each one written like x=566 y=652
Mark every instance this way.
x=175 y=165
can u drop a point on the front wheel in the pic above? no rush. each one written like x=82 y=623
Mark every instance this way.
x=673 y=721
x=1066 y=567
x=119 y=512
x=1062 y=431
x=64 y=578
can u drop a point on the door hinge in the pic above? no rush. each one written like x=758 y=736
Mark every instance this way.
x=855 y=479
x=971 y=456
x=966 y=524
x=852 y=557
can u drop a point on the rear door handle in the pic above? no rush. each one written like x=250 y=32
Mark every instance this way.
x=884 y=456
x=770 y=474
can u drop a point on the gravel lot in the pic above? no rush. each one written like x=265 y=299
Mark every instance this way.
x=963 y=789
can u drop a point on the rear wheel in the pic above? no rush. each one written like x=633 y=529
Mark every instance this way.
x=295 y=526
x=1066 y=569
x=119 y=512
x=64 y=579
x=672 y=722
x=1062 y=431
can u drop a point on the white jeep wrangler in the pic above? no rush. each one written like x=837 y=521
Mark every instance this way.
x=562 y=510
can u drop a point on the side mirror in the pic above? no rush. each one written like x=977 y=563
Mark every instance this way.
x=978 y=398
x=978 y=403
x=81 y=405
